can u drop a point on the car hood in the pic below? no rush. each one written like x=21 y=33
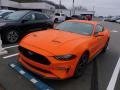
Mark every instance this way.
x=54 y=41
x=6 y=21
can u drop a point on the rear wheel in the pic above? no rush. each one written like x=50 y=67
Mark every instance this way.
x=56 y=20
x=81 y=65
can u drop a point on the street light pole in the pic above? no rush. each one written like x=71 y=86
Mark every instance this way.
x=60 y=6
x=73 y=7
x=0 y=4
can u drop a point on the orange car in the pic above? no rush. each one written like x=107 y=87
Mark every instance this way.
x=62 y=52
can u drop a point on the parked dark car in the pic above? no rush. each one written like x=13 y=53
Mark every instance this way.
x=20 y=23
x=79 y=17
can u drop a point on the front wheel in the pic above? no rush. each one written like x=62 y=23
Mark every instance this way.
x=105 y=47
x=81 y=65
x=11 y=36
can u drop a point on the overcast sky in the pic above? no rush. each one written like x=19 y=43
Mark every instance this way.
x=102 y=7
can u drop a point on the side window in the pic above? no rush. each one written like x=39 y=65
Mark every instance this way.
x=30 y=17
x=62 y=15
x=99 y=28
x=57 y=14
x=40 y=16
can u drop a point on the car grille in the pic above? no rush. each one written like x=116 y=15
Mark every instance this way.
x=40 y=69
x=34 y=56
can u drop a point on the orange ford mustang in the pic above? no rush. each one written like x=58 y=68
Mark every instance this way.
x=62 y=52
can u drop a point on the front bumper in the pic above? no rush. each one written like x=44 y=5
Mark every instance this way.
x=61 y=70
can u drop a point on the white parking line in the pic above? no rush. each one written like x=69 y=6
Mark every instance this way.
x=114 y=77
x=21 y=72
x=114 y=31
x=12 y=65
x=33 y=80
x=9 y=56
x=10 y=47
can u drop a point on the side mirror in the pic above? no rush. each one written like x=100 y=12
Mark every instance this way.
x=98 y=34
x=23 y=21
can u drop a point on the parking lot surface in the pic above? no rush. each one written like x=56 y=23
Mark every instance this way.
x=97 y=75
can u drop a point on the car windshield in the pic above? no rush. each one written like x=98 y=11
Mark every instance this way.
x=15 y=16
x=5 y=14
x=76 y=27
x=1 y=13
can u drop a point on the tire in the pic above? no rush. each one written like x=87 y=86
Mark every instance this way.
x=56 y=20
x=49 y=27
x=105 y=47
x=80 y=68
x=11 y=36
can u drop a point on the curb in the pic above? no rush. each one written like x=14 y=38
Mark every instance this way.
x=37 y=82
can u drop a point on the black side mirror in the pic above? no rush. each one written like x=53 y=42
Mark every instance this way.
x=23 y=21
x=98 y=34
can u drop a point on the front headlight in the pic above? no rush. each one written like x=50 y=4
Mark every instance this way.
x=65 y=57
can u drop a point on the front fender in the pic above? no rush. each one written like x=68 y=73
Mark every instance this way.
x=80 y=49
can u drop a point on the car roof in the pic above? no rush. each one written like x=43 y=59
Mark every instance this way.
x=85 y=21
x=23 y=11
x=7 y=11
x=29 y=11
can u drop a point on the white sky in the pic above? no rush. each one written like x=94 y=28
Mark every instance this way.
x=102 y=7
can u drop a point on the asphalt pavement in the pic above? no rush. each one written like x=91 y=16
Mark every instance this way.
x=97 y=75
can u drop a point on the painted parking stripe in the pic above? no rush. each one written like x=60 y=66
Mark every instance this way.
x=37 y=82
x=12 y=65
x=9 y=56
x=33 y=80
x=10 y=47
x=114 y=77
x=114 y=31
x=22 y=72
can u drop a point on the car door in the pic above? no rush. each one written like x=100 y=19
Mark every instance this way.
x=28 y=22
x=43 y=21
x=57 y=17
x=97 y=42
x=35 y=21
x=63 y=17
x=101 y=38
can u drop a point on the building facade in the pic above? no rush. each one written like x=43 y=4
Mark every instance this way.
x=38 y=6
x=69 y=12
